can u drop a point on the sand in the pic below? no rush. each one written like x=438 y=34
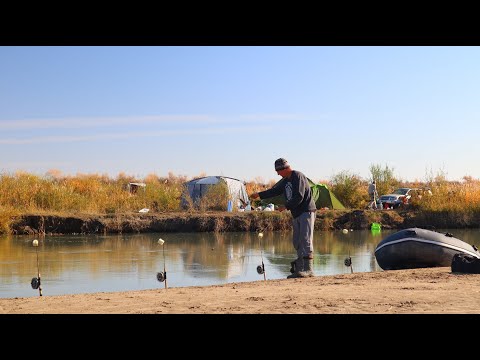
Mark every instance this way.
x=413 y=291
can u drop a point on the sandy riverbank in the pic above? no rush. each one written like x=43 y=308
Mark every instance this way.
x=415 y=291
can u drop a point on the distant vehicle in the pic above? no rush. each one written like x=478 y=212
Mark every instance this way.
x=401 y=196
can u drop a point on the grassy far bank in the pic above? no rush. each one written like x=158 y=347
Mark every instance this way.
x=99 y=195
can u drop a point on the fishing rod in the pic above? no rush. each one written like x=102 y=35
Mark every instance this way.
x=36 y=284
x=348 y=260
x=261 y=268
x=162 y=276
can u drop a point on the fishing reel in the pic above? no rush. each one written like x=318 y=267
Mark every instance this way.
x=162 y=276
x=348 y=261
x=35 y=283
x=260 y=269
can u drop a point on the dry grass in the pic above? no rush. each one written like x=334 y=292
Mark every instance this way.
x=22 y=193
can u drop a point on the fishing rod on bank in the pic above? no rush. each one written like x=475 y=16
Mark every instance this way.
x=36 y=283
x=348 y=260
x=261 y=268
x=162 y=276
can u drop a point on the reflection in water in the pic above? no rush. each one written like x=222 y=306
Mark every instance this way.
x=86 y=264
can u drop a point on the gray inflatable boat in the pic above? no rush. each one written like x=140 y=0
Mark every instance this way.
x=420 y=248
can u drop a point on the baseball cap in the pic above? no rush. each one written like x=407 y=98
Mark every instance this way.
x=281 y=164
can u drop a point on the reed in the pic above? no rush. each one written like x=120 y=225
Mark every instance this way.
x=22 y=193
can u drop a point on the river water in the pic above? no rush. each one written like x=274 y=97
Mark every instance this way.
x=88 y=263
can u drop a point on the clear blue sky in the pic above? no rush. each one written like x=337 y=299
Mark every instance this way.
x=228 y=110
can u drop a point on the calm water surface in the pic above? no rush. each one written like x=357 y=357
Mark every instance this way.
x=85 y=264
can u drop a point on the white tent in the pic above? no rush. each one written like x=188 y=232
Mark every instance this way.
x=198 y=187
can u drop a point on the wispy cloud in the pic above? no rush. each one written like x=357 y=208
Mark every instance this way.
x=89 y=122
x=19 y=132
x=276 y=117
x=130 y=134
x=95 y=122
x=34 y=165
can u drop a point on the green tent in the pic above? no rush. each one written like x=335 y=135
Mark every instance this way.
x=324 y=198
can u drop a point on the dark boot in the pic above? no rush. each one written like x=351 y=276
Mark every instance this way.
x=297 y=267
x=308 y=267
x=294 y=266
x=302 y=267
x=299 y=272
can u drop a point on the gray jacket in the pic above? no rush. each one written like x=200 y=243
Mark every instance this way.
x=297 y=193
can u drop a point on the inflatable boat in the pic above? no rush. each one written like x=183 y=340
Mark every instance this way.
x=420 y=248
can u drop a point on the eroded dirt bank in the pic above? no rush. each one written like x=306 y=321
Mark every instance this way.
x=226 y=222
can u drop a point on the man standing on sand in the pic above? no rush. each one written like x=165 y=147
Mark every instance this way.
x=299 y=200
